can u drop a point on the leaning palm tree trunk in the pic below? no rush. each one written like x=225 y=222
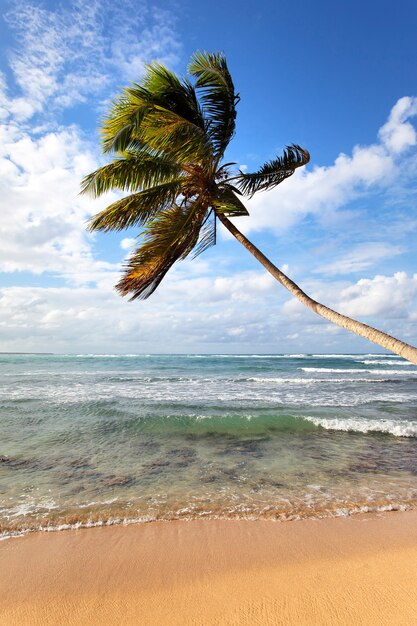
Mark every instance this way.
x=363 y=330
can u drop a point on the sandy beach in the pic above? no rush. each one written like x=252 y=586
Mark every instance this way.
x=357 y=570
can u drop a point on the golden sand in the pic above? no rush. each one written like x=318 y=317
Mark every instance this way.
x=351 y=571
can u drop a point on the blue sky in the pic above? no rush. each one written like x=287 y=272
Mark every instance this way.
x=338 y=78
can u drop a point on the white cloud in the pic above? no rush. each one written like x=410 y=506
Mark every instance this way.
x=382 y=296
x=43 y=217
x=359 y=258
x=127 y=243
x=398 y=134
x=236 y=331
x=324 y=189
x=62 y=319
x=66 y=319
x=68 y=54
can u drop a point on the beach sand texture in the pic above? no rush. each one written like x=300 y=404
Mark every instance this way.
x=360 y=570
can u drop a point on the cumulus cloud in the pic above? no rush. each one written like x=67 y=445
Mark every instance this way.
x=43 y=217
x=382 y=296
x=398 y=134
x=45 y=318
x=67 y=319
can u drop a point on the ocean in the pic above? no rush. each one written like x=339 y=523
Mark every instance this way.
x=105 y=439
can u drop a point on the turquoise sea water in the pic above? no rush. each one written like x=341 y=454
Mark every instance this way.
x=92 y=439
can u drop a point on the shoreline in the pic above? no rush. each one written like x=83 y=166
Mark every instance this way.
x=357 y=569
x=283 y=517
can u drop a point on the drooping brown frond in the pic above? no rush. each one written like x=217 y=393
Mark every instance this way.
x=207 y=235
x=170 y=236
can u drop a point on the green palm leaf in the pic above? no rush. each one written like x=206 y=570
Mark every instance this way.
x=135 y=170
x=227 y=203
x=136 y=209
x=163 y=113
x=172 y=94
x=168 y=132
x=273 y=172
x=217 y=96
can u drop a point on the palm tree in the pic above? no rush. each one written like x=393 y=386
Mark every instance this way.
x=168 y=137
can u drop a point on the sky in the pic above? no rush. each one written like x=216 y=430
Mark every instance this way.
x=340 y=79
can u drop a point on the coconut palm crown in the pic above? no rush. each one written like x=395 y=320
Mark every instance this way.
x=168 y=137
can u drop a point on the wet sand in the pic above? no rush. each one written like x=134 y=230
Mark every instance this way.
x=360 y=570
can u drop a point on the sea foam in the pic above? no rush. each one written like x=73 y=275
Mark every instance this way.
x=359 y=371
x=398 y=428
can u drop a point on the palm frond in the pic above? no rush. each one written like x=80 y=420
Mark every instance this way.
x=162 y=113
x=273 y=172
x=168 y=132
x=135 y=170
x=217 y=96
x=168 y=237
x=136 y=209
x=207 y=235
x=121 y=125
x=173 y=94
x=227 y=203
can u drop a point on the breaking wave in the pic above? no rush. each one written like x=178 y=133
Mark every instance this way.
x=398 y=428
x=358 y=370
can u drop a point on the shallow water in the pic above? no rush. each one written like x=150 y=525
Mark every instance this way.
x=92 y=439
